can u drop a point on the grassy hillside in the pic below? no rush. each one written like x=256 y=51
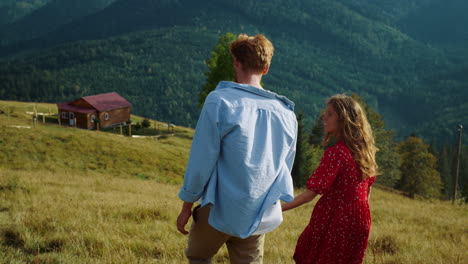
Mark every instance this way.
x=63 y=149
x=58 y=217
x=75 y=196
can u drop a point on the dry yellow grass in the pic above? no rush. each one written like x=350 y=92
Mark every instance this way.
x=50 y=217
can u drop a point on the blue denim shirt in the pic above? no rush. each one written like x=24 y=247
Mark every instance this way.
x=242 y=156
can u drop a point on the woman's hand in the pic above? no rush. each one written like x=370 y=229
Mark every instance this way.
x=299 y=200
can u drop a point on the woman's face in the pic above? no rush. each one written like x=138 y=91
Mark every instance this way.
x=330 y=120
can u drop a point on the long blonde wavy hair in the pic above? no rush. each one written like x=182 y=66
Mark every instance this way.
x=355 y=130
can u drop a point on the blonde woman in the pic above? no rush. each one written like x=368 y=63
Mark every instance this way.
x=339 y=227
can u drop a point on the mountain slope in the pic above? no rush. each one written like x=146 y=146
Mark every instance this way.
x=48 y=18
x=12 y=10
x=440 y=23
x=153 y=52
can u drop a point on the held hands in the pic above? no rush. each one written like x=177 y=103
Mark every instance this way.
x=285 y=206
x=183 y=217
x=299 y=200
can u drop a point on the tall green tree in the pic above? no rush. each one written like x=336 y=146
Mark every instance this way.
x=316 y=134
x=220 y=66
x=445 y=165
x=315 y=144
x=419 y=169
x=302 y=162
x=387 y=157
x=464 y=173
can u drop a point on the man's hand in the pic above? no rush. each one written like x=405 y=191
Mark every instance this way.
x=183 y=217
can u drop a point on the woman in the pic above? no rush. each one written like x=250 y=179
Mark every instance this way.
x=338 y=231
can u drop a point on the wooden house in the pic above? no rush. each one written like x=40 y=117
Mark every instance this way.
x=108 y=109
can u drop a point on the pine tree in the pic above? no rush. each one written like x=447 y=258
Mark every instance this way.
x=301 y=168
x=220 y=66
x=387 y=157
x=418 y=169
x=445 y=159
x=464 y=173
x=316 y=134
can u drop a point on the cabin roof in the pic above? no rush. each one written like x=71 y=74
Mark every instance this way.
x=107 y=101
x=100 y=102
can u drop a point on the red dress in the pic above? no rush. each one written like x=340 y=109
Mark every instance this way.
x=339 y=228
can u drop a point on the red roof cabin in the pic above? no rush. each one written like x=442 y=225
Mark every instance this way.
x=110 y=109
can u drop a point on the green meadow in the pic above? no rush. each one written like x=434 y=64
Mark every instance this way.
x=75 y=196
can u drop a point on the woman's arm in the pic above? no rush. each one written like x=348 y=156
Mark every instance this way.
x=299 y=200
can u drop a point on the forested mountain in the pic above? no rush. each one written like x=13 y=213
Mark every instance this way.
x=48 y=18
x=11 y=10
x=153 y=52
x=441 y=23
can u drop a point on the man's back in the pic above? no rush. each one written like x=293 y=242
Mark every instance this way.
x=256 y=130
x=240 y=161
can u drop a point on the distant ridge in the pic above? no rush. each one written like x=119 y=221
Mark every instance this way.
x=49 y=18
x=154 y=52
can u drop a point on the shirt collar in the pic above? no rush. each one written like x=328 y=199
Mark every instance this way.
x=255 y=90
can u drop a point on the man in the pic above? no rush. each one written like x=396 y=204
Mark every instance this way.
x=240 y=161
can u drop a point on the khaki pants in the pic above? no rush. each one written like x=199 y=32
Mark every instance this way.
x=205 y=241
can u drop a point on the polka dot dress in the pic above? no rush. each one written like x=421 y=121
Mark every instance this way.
x=339 y=228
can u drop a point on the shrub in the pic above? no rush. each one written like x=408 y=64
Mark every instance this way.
x=145 y=123
x=12 y=238
x=385 y=245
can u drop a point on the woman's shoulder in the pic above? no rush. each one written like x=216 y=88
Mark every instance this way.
x=339 y=151
x=339 y=148
x=371 y=180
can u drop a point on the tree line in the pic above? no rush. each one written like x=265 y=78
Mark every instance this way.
x=412 y=166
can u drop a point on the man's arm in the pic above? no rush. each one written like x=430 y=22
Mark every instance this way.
x=184 y=216
x=202 y=161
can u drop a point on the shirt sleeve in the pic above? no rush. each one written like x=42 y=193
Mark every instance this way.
x=292 y=152
x=288 y=194
x=324 y=176
x=203 y=154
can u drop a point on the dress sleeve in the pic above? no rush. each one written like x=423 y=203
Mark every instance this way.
x=322 y=179
x=371 y=181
